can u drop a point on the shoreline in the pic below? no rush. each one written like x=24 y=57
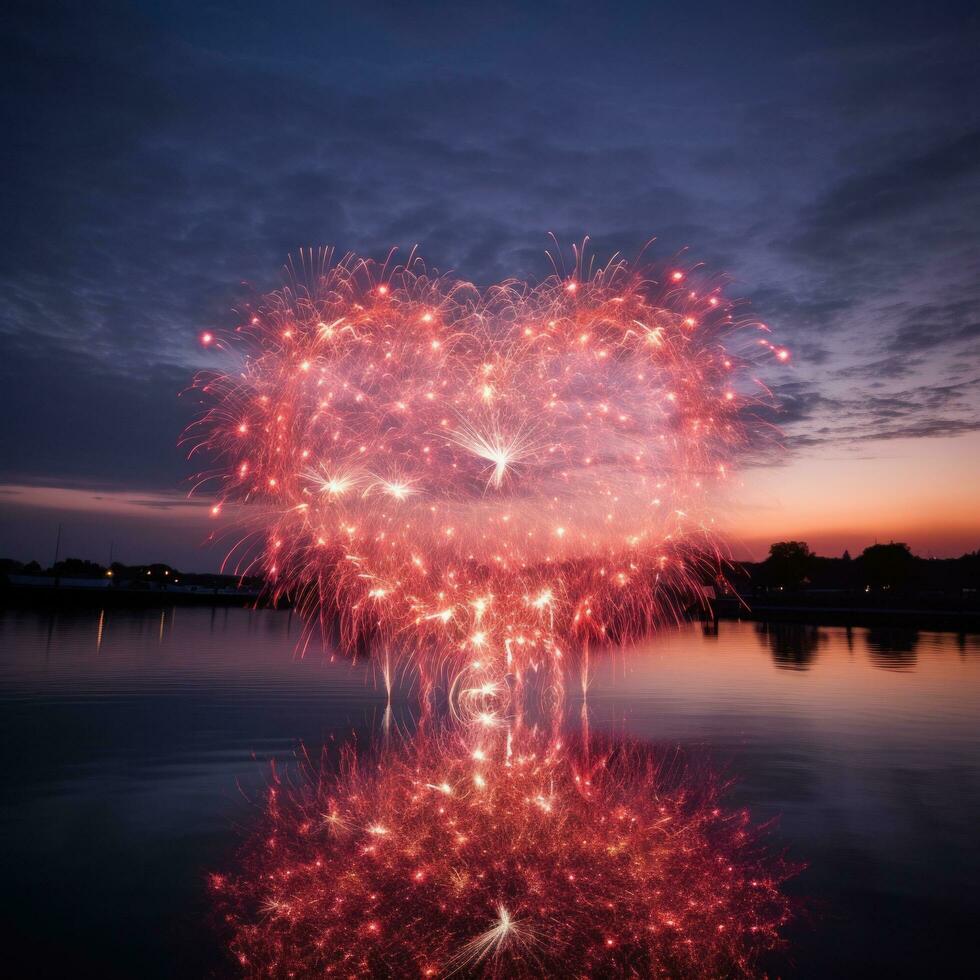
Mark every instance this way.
x=14 y=596
x=940 y=620
x=724 y=608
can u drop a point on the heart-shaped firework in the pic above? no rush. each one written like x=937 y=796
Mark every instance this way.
x=484 y=476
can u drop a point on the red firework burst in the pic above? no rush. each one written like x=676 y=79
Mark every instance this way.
x=491 y=477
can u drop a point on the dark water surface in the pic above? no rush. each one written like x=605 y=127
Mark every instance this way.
x=133 y=741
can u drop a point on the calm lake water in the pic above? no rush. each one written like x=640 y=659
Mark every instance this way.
x=132 y=742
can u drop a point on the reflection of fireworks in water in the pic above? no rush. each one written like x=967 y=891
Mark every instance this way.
x=498 y=475
x=513 y=855
x=479 y=484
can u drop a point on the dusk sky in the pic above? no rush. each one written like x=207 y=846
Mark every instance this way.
x=158 y=156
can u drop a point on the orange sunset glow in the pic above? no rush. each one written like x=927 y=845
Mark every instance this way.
x=924 y=492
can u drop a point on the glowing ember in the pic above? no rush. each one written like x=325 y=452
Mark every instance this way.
x=426 y=462
x=524 y=859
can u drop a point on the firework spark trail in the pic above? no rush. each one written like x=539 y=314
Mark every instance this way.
x=499 y=475
x=504 y=855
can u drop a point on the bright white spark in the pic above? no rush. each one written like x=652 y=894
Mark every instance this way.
x=505 y=932
x=542 y=599
x=334 y=482
x=400 y=488
x=502 y=450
